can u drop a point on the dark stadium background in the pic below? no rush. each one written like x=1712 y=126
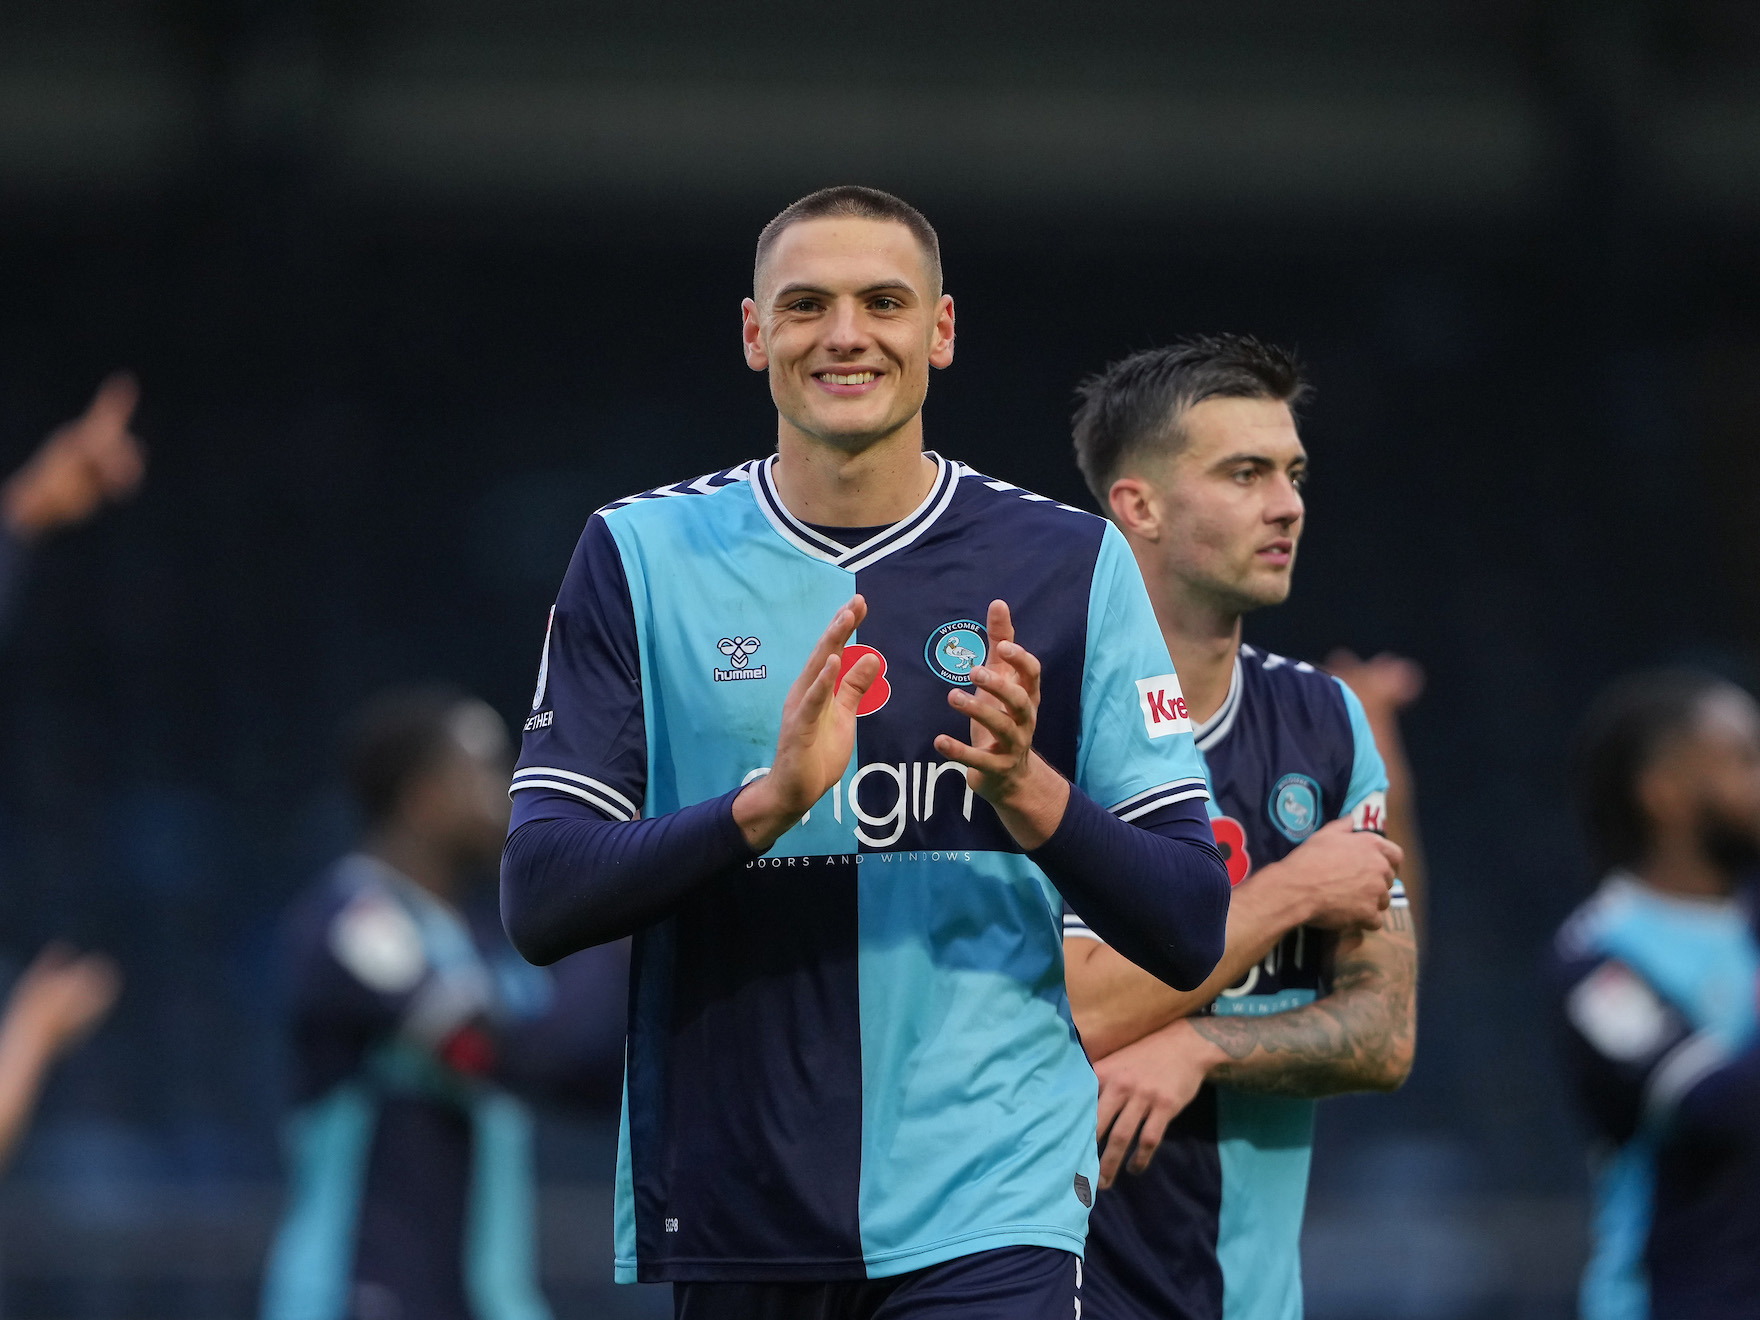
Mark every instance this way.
x=413 y=286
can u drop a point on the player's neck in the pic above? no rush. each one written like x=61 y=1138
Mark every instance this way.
x=1203 y=638
x=1680 y=867
x=419 y=859
x=820 y=483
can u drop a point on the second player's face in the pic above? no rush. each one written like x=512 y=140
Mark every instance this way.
x=847 y=323
x=1232 y=501
x=1722 y=759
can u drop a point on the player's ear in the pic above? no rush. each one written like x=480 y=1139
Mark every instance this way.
x=1135 y=508
x=751 y=332
x=941 y=341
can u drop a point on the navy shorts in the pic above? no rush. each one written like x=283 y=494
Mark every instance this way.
x=1010 y=1283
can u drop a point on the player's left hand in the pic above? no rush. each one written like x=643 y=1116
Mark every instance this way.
x=1004 y=709
x=1143 y=1087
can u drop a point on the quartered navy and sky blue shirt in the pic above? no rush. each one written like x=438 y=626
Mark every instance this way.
x=414 y=1025
x=853 y=1056
x=1657 y=994
x=1211 y=1229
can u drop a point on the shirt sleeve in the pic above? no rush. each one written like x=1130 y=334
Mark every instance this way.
x=586 y=741
x=1365 y=799
x=1136 y=755
x=1632 y=1055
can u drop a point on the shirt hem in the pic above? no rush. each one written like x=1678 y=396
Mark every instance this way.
x=875 y=1265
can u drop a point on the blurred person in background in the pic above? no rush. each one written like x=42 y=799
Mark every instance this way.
x=1207 y=1097
x=1656 y=978
x=414 y=1025
x=1386 y=685
x=62 y=996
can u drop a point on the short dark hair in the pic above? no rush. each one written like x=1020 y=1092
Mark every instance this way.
x=853 y=200
x=1138 y=401
x=1628 y=725
x=395 y=738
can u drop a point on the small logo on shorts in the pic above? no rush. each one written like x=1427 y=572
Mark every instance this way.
x=1084 y=1193
x=955 y=648
x=739 y=651
x=1295 y=807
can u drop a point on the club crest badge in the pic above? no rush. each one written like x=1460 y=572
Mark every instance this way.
x=1295 y=807
x=955 y=648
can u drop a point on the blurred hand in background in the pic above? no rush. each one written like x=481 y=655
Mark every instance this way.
x=55 y=1004
x=1385 y=685
x=84 y=464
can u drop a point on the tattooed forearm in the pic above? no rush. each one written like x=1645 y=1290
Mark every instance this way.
x=1358 y=1038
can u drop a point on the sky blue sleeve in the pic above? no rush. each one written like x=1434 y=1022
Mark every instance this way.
x=1368 y=774
x=1365 y=801
x=1136 y=754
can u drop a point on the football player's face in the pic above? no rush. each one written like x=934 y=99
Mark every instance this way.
x=1232 y=503
x=848 y=322
x=1722 y=758
x=462 y=800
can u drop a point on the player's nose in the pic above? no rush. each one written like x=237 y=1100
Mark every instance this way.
x=845 y=331
x=1285 y=507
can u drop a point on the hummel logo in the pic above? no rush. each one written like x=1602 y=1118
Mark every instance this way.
x=739 y=651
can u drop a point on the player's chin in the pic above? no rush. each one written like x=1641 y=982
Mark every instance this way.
x=1269 y=586
x=854 y=429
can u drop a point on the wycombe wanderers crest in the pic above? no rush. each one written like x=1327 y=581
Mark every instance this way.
x=955 y=648
x=1295 y=807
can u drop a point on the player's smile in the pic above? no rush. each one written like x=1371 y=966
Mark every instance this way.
x=848 y=381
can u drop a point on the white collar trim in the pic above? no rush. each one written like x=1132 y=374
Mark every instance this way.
x=1216 y=728
x=876 y=547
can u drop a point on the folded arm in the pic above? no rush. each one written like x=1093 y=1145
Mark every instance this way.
x=1358 y=1038
x=1361 y=1037
x=1339 y=879
x=1115 y=1002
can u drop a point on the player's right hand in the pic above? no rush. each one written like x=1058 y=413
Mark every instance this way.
x=1345 y=876
x=1143 y=1087
x=818 y=735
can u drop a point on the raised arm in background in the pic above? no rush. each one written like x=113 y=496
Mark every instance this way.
x=1386 y=685
x=82 y=465
x=58 y=1000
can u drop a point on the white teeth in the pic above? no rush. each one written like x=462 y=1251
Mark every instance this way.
x=855 y=378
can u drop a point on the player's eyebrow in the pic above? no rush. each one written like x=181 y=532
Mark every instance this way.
x=1259 y=460
x=884 y=286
